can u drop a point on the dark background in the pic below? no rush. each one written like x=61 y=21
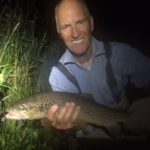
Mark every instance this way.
x=123 y=20
x=116 y=20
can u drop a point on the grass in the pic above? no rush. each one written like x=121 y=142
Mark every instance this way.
x=17 y=56
x=19 y=61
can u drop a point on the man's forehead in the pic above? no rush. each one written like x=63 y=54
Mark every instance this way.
x=67 y=5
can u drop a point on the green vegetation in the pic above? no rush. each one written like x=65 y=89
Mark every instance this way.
x=19 y=61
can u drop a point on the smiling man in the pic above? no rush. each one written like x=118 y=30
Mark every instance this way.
x=91 y=67
x=75 y=28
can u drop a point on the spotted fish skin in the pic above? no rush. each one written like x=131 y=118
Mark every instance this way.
x=36 y=107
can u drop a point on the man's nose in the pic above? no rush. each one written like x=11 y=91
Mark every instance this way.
x=75 y=32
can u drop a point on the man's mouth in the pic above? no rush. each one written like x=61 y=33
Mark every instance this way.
x=77 y=41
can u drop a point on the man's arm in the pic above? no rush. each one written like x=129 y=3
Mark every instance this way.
x=59 y=82
x=132 y=63
x=139 y=121
x=67 y=116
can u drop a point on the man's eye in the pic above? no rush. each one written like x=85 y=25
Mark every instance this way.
x=65 y=27
x=80 y=22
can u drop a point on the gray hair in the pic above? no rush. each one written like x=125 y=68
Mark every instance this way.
x=82 y=2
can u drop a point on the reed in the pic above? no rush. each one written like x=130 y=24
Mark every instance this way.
x=20 y=57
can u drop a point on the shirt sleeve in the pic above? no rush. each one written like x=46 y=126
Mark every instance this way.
x=59 y=82
x=133 y=64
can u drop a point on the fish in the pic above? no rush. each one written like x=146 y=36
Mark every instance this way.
x=36 y=106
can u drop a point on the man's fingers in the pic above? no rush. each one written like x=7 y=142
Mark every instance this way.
x=69 y=113
x=52 y=113
x=61 y=114
x=76 y=114
x=66 y=117
x=74 y=117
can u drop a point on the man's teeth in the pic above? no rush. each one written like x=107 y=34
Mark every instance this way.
x=77 y=41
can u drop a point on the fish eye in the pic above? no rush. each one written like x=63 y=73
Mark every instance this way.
x=22 y=107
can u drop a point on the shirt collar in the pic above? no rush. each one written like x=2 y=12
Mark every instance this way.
x=97 y=48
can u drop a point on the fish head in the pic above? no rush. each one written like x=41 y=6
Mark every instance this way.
x=23 y=112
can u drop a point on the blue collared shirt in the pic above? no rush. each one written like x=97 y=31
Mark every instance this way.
x=126 y=62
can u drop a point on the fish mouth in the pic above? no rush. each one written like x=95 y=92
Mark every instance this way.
x=16 y=116
x=24 y=115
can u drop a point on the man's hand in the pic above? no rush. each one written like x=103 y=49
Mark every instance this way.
x=139 y=121
x=66 y=117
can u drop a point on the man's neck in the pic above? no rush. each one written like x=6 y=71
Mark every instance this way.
x=84 y=58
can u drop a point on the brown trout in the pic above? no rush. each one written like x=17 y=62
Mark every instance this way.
x=37 y=106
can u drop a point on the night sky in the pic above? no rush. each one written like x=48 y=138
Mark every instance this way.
x=119 y=20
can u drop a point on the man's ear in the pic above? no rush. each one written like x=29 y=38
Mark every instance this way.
x=57 y=26
x=92 y=23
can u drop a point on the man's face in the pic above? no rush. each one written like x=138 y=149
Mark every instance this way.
x=74 y=25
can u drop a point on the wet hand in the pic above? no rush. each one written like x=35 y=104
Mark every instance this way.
x=66 y=117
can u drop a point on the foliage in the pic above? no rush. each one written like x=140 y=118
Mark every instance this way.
x=19 y=60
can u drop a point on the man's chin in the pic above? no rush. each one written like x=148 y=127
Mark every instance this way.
x=78 y=54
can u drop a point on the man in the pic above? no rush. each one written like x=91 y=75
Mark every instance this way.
x=86 y=59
